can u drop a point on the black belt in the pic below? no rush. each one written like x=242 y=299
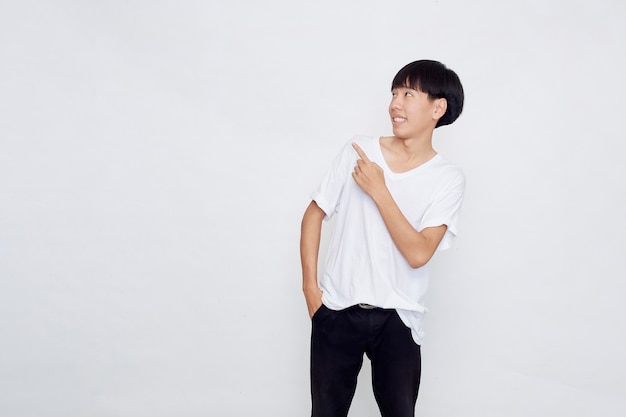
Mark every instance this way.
x=367 y=306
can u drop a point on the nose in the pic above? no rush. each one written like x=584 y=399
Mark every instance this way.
x=395 y=103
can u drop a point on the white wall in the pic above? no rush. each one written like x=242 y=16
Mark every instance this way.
x=156 y=157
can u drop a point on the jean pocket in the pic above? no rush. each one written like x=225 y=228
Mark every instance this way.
x=319 y=312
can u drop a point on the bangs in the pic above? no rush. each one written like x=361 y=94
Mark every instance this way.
x=407 y=80
x=425 y=76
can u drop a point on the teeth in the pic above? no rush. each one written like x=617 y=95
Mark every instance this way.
x=398 y=119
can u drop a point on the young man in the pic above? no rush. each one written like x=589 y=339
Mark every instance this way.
x=397 y=201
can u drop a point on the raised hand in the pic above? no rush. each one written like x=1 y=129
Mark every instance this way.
x=367 y=174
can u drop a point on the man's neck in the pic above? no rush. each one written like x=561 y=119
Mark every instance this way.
x=405 y=154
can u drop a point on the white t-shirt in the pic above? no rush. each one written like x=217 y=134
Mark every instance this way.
x=363 y=265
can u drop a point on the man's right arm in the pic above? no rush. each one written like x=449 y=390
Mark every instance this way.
x=311 y=231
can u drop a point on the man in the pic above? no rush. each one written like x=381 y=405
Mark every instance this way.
x=397 y=201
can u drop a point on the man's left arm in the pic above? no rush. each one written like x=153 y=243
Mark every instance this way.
x=416 y=247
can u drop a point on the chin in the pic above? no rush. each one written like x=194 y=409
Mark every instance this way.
x=398 y=132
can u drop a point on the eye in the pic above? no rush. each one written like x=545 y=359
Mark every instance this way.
x=394 y=94
x=408 y=94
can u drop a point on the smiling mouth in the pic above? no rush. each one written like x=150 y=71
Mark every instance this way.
x=398 y=119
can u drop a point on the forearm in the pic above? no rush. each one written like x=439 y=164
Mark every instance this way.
x=417 y=248
x=311 y=230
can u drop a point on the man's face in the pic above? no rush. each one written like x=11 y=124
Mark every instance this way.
x=412 y=112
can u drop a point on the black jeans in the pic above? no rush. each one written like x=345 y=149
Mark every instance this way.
x=338 y=341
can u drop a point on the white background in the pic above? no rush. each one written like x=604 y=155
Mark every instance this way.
x=156 y=158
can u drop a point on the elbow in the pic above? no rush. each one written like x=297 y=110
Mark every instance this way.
x=416 y=264
x=419 y=255
x=417 y=261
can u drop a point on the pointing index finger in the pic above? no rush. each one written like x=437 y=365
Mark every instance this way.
x=358 y=150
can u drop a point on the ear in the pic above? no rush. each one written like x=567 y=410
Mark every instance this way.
x=441 y=105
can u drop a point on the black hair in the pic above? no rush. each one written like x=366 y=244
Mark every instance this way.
x=436 y=80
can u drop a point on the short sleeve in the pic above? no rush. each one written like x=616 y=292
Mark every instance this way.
x=445 y=209
x=328 y=194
